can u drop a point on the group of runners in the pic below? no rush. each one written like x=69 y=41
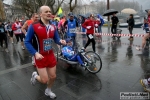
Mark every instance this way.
x=37 y=33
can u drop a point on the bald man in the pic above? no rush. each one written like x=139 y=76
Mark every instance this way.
x=42 y=50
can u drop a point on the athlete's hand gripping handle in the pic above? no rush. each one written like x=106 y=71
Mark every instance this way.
x=63 y=42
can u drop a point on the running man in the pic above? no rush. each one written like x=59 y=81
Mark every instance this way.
x=34 y=18
x=10 y=31
x=71 y=24
x=90 y=24
x=16 y=27
x=42 y=51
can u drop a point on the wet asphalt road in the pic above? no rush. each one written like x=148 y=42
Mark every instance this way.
x=123 y=67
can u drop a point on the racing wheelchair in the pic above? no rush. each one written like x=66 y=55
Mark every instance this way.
x=91 y=59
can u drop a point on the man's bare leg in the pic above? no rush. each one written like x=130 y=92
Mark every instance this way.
x=146 y=36
x=52 y=76
x=43 y=75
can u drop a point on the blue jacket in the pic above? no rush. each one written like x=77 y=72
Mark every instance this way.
x=101 y=19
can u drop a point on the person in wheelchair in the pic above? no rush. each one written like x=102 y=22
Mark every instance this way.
x=69 y=53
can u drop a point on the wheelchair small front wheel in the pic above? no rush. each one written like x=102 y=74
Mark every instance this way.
x=96 y=62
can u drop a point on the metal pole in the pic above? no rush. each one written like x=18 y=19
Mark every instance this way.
x=108 y=16
x=108 y=8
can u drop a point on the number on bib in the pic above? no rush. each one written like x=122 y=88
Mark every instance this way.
x=90 y=36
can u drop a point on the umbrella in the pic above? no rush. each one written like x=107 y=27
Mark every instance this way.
x=147 y=10
x=110 y=12
x=128 y=11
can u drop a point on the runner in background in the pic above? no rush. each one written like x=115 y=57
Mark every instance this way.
x=101 y=23
x=10 y=32
x=16 y=27
x=82 y=28
x=89 y=24
x=71 y=24
x=3 y=37
x=34 y=18
x=97 y=21
x=53 y=21
x=61 y=29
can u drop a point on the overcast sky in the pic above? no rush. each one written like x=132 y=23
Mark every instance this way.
x=145 y=3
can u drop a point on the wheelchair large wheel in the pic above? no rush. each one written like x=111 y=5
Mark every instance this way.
x=96 y=62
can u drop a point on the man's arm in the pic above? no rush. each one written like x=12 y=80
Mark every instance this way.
x=84 y=25
x=24 y=27
x=14 y=27
x=66 y=22
x=28 y=40
x=56 y=37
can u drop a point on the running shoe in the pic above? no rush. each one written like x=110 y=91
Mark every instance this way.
x=33 y=78
x=145 y=84
x=50 y=94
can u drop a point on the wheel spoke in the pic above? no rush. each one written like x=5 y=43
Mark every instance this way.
x=96 y=64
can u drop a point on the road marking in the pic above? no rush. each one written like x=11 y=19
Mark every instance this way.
x=15 y=68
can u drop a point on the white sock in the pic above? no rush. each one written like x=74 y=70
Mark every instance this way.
x=49 y=89
x=35 y=76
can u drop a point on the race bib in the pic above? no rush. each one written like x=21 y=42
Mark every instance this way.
x=73 y=30
x=18 y=31
x=47 y=44
x=90 y=36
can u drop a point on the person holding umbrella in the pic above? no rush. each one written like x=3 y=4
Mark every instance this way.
x=115 y=21
x=130 y=22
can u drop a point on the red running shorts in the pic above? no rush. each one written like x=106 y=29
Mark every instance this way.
x=48 y=61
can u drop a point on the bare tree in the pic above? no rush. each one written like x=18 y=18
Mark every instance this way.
x=2 y=12
x=121 y=4
x=72 y=5
x=101 y=7
x=31 y=6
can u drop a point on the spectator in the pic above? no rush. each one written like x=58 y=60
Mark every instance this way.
x=130 y=22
